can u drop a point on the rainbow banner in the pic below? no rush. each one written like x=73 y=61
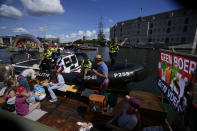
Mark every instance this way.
x=26 y=37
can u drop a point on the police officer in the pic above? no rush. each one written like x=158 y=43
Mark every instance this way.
x=46 y=57
x=114 y=48
x=86 y=66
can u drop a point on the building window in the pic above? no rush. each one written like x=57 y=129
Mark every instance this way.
x=169 y=23
x=138 y=26
x=185 y=29
x=174 y=28
x=151 y=25
x=186 y=20
x=168 y=30
x=177 y=39
x=167 y=40
x=150 y=31
x=183 y=39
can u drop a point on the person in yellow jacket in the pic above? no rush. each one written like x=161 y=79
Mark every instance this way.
x=46 y=57
x=86 y=66
x=114 y=49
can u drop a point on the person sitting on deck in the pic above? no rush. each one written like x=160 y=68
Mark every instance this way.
x=22 y=105
x=6 y=73
x=86 y=67
x=28 y=73
x=10 y=95
x=128 y=117
x=57 y=82
x=102 y=74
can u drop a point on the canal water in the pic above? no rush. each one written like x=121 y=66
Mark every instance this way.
x=145 y=57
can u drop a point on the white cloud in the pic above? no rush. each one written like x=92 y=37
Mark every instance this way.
x=43 y=28
x=3 y=27
x=50 y=36
x=75 y=36
x=43 y=7
x=106 y=32
x=10 y=12
x=80 y=33
x=110 y=21
x=19 y=30
x=90 y=34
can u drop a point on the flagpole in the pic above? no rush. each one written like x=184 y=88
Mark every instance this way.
x=140 y=12
x=194 y=43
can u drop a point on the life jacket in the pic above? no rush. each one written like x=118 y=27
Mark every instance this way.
x=89 y=65
x=47 y=54
x=113 y=48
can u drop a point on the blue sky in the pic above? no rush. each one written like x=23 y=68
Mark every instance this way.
x=71 y=19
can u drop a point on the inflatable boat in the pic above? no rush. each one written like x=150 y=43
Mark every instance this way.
x=69 y=66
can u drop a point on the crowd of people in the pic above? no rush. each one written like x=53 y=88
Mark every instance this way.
x=21 y=98
x=18 y=91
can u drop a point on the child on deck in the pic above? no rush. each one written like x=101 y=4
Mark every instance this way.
x=10 y=95
x=57 y=82
x=9 y=100
x=23 y=106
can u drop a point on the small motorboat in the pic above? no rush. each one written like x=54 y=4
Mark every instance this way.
x=88 y=48
x=69 y=66
x=85 y=47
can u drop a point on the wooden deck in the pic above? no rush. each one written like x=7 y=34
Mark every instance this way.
x=64 y=113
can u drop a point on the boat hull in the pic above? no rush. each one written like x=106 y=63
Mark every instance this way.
x=126 y=74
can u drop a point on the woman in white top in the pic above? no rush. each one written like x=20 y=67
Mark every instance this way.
x=57 y=81
x=31 y=73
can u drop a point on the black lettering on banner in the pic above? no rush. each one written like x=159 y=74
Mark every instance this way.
x=171 y=96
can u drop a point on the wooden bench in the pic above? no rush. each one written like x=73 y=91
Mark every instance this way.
x=151 y=109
